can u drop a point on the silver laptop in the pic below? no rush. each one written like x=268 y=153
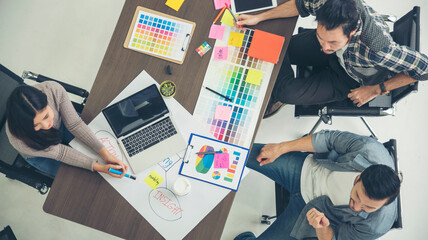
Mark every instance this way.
x=144 y=128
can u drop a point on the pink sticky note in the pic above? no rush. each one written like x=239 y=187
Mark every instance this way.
x=220 y=53
x=217 y=31
x=219 y=4
x=222 y=112
x=221 y=160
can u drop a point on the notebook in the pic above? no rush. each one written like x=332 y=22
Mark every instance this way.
x=144 y=128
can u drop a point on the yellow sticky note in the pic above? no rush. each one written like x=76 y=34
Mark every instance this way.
x=236 y=39
x=254 y=77
x=153 y=180
x=227 y=18
x=174 y=4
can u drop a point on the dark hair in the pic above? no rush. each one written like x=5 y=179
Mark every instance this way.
x=336 y=13
x=22 y=106
x=380 y=182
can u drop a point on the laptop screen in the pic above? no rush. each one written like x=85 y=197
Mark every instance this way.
x=135 y=111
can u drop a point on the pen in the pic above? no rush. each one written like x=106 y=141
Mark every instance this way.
x=209 y=89
x=120 y=173
x=219 y=14
x=208 y=152
x=231 y=13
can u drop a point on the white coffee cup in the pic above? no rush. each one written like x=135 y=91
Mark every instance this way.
x=181 y=186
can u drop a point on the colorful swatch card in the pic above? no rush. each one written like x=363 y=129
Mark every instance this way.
x=221 y=53
x=228 y=77
x=216 y=31
x=235 y=39
x=266 y=46
x=153 y=180
x=227 y=18
x=219 y=4
x=254 y=77
x=159 y=35
x=174 y=4
x=204 y=48
x=223 y=112
x=221 y=160
x=224 y=168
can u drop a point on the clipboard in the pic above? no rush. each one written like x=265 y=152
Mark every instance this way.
x=218 y=163
x=159 y=35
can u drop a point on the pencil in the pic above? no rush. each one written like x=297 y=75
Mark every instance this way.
x=219 y=14
x=231 y=13
x=221 y=95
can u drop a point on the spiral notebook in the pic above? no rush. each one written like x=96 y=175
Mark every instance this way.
x=215 y=162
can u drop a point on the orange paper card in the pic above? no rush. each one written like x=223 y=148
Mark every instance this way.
x=266 y=46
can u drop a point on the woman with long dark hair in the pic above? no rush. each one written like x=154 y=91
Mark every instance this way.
x=41 y=120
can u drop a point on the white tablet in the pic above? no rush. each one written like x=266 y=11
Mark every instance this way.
x=246 y=6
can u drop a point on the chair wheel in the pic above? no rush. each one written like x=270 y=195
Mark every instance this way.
x=265 y=222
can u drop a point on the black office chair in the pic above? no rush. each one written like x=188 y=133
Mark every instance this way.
x=406 y=32
x=282 y=196
x=12 y=164
x=7 y=234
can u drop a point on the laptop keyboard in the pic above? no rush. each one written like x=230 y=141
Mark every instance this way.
x=149 y=136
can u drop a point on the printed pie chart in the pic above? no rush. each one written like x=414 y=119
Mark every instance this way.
x=204 y=161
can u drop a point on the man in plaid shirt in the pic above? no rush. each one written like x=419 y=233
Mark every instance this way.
x=351 y=50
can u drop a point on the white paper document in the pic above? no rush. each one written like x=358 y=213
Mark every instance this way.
x=171 y=215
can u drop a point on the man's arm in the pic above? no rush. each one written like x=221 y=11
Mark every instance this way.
x=364 y=94
x=270 y=152
x=287 y=9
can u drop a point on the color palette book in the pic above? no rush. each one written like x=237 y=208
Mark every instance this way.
x=228 y=77
x=223 y=165
x=159 y=35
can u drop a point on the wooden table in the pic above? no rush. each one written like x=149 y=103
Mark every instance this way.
x=85 y=197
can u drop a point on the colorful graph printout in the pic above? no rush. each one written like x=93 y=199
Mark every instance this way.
x=160 y=35
x=228 y=78
x=223 y=168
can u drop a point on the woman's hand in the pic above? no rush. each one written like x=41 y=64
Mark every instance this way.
x=113 y=162
x=105 y=169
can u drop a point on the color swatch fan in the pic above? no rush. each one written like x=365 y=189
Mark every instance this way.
x=159 y=35
x=241 y=78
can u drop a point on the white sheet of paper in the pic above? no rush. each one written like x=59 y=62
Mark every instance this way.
x=171 y=215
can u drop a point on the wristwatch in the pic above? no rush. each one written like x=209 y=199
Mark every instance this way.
x=383 y=90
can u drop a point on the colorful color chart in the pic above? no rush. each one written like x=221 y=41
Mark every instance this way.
x=204 y=48
x=228 y=78
x=232 y=169
x=159 y=35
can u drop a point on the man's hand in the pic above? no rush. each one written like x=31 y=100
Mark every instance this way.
x=317 y=219
x=269 y=153
x=249 y=20
x=362 y=95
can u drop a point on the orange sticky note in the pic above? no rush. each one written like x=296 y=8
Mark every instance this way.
x=266 y=46
x=254 y=77
x=236 y=39
x=174 y=4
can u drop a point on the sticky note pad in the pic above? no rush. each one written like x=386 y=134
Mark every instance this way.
x=219 y=4
x=220 y=53
x=174 y=4
x=236 y=39
x=266 y=46
x=254 y=77
x=227 y=18
x=222 y=112
x=204 y=48
x=217 y=31
x=153 y=180
x=221 y=160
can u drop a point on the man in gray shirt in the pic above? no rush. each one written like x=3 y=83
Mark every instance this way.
x=346 y=189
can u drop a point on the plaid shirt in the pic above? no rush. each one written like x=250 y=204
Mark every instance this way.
x=371 y=48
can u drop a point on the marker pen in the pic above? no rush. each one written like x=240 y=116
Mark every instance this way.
x=120 y=173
